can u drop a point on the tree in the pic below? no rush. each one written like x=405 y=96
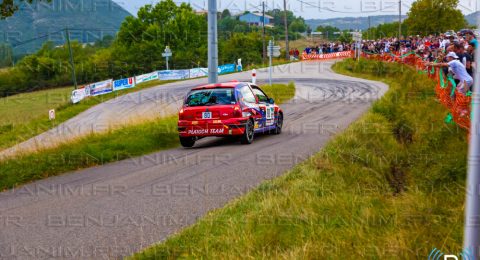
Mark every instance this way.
x=298 y=25
x=142 y=39
x=6 y=55
x=328 y=31
x=8 y=7
x=434 y=16
x=384 y=30
x=248 y=47
x=278 y=18
x=225 y=14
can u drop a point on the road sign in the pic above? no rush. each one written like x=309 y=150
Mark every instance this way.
x=51 y=114
x=275 y=50
x=167 y=54
x=357 y=36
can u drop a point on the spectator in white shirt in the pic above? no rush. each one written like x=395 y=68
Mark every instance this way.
x=459 y=71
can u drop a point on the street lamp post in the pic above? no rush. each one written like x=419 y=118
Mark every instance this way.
x=167 y=54
x=212 y=42
x=472 y=209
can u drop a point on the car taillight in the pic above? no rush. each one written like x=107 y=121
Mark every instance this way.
x=180 y=114
x=237 y=111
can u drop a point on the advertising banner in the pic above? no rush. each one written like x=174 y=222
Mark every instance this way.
x=343 y=54
x=123 y=84
x=99 y=88
x=146 y=77
x=173 y=74
x=78 y=95
x=198 y=72
x=227 y=68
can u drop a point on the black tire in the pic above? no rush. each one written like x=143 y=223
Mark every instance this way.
x=187 y=142
x=278 y=125
x=247 y=137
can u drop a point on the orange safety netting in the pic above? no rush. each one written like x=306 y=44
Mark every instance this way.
x=456 y=102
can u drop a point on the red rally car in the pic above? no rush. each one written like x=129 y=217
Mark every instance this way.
x=228 y=109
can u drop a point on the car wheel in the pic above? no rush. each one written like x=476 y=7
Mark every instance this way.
x=278 y=125
x=247 y=137
x=187 y=141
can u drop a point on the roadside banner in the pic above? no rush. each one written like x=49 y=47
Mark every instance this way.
x=227 y=68
x=123 y=83
x=335 y=55
x=78 y=95
x=173 y=74
x=100 y=88
x=146 y=77
x=198 y=72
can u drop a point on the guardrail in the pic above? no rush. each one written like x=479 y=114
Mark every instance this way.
x=456 y=102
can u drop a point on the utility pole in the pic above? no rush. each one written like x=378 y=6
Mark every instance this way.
x=72 y=63
x=399 y=19
x=212 y=42
x=472 y=209
x=270 y=52
x=263 y=34
x=285 y=21
x=369 y=26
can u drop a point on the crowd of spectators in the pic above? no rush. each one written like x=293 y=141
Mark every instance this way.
x=328 y=48
x=452 y=51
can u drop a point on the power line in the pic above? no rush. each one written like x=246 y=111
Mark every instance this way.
x=345 y=12
x=60 y=31
x=34 y=39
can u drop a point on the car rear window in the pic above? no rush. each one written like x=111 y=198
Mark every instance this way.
x=208 y=97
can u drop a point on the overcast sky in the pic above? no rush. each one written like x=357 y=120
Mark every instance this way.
x=318 y=9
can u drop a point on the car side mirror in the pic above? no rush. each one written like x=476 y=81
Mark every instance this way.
x=271 y=101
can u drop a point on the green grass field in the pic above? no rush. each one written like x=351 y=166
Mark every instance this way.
x=280 y=92
x=22 y=108
x=99 y=149
x=392 y=186
x=24 y=116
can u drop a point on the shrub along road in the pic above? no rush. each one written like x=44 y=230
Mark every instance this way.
x=117 y=209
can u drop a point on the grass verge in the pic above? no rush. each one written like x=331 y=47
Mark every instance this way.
x=99 y=149
x=24 y=116
x=391 y=186
x=280 y=92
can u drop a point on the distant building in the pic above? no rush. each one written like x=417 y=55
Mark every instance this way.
x=256 y=19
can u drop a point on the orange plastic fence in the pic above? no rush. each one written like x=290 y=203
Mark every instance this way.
x=457 y=103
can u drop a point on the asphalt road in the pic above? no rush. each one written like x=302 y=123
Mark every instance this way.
x=117 y=209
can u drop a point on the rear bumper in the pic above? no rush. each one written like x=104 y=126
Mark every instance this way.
x=228 y=127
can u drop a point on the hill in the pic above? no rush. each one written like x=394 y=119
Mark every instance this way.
x=361 y=23
x=472 y=18
x=355 y=23
x=36 y=23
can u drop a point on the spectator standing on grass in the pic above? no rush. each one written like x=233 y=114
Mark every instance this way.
x=459 y=71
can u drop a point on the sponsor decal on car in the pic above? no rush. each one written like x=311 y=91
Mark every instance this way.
x=206 y=131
